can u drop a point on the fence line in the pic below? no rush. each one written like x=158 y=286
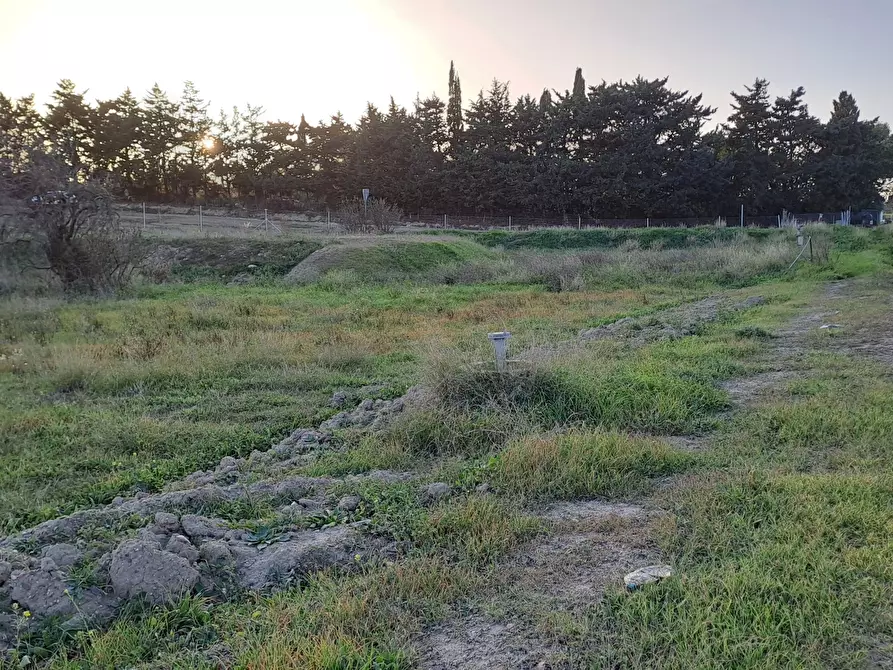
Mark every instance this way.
x=252 y=221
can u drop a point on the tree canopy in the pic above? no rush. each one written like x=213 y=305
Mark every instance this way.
x=625 y=149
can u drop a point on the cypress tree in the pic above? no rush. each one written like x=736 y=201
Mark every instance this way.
x=454 y=110
x=579 y=84
x=545 y=101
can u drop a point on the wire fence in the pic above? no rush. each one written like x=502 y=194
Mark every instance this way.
x=253 y=221
x=465 y=222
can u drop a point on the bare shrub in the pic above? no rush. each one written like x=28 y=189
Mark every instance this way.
x=377 y=216
x=475 y=271
x=74 y=226
x=558 y=272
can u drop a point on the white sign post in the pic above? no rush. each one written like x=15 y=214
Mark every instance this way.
x=365 y=199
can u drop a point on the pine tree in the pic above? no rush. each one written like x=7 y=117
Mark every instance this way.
x=21 y=131
x=303 y=132
x=158 y=140
x=854 y=160
x=224 y=164
x=425 y=184
x=117 y=137
x=795 y=135
x=333 y=149
x=749 y=140
x=194 y=129
x=69 y=126
x=546 y=103
x=487 y=148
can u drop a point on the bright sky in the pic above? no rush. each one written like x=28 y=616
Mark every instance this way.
x=319 y=56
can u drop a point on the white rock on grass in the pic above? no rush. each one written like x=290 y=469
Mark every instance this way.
x=46 y=594
x=42 y=593
x=305 y=553
x=647 y=575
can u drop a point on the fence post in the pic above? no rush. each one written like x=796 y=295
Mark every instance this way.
x=144 y=216
x=444 y=220
x=648 y=222
x=742 y=216
x=159 y=213
x=510 y=221
x=579 y=222
x=200 y=218
x=266 y=225
x=778 y=217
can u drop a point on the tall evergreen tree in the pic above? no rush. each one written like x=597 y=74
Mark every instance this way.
x=749 y=140
x=159 y=138
x=117 y=139
x=579 y=89
x=21 y=132
x=854 y=160
x=455 y=123
x=795 y=135
x=195 y=127
x=425 y=181
x=332 y=147
x=69 y=125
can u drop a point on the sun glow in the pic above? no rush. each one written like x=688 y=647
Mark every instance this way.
x=208 y=143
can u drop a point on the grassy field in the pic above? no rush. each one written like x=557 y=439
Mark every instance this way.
x=778 y=525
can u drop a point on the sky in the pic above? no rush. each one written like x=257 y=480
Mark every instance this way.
x=321 y=56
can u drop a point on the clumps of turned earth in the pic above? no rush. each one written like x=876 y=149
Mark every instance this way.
x=671 y=324
x=171 y=557
x=77 y=570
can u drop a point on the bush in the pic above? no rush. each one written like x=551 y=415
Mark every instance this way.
x=645 y=394
x=376 y=216
x=75 y=227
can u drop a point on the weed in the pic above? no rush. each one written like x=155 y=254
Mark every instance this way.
x=481 y=528
x=754 y=332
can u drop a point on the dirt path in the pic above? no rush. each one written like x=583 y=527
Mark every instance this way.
x=593 y=543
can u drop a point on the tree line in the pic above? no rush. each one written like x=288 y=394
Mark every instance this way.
x=625 y=149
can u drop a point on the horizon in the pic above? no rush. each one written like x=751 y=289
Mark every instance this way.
x=410 y=50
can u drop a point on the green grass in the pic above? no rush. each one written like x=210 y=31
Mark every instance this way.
x=779 y=533
x=107 y=397
x=404 y=260
x=668 y=238
x=782 y=548
x=584 y=465
x=774 y=571
x=667 y=387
